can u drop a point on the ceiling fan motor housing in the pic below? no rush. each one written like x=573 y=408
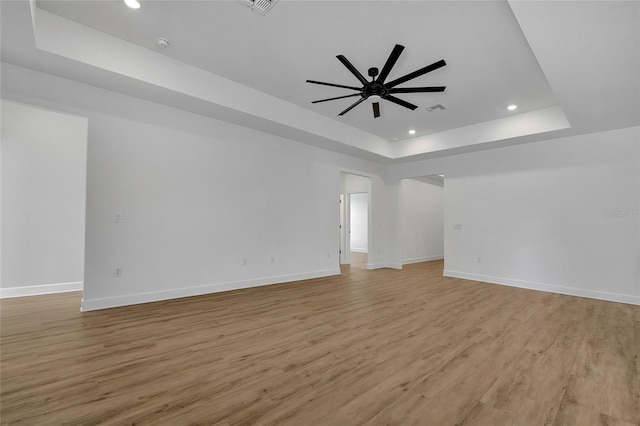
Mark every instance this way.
x=374 y=88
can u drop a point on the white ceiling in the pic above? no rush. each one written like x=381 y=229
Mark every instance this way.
x=497 y=53
x=489 y=64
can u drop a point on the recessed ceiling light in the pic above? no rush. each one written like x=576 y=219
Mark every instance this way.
x=512 y=107
x=412 y=132
x=133 y=4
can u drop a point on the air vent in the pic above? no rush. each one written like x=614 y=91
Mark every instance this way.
x=261 y=7
x=435 y=107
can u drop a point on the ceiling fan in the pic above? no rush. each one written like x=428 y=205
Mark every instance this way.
x=377 y=89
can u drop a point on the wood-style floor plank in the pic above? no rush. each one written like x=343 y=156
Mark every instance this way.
x=376 y=347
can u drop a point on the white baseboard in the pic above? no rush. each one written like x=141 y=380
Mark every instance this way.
x=359 y=250
x=550 y=288
x=156 y=296
x=36 y=290
x=375 y=265
x=393 y=265
x=384 y=265
x=422 y=259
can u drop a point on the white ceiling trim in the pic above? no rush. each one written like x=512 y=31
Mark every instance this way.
x=69 y=39
x=66 y=38
x=540 y=121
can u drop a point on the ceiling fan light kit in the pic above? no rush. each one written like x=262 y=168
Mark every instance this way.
x=378 y=89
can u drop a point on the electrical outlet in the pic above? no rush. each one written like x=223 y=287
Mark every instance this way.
x=479 y=260
x=119 y=218
x=117 y=271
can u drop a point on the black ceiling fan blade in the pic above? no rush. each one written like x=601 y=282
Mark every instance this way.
x=334 y=85
x=417 y=89
x=376 y=109
x=417 y=73
x=356 y=103
x=353 y=69
x=400 y=102
x=391 y=61
x=337 y=97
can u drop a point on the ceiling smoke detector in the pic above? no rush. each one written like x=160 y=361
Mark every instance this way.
x=162 y=42
x=261 y=7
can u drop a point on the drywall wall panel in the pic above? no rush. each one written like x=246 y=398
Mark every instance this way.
x=44 y=157
x=421 y=220
x=355 y=183
x=558 y=215
x=546 y=215
x=205 y=206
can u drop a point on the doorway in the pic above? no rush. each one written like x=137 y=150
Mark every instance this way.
x=355 y=210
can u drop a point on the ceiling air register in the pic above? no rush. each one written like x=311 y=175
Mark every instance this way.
x=261 y=7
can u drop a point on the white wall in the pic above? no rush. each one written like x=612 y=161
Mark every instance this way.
x=359 y=222
x=421 y=219
x=355 y=183
x=539 y=215
x=198 y=197
x=195 y=207
x=44 y=157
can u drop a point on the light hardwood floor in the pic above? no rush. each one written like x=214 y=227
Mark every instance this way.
x=358 y=260
x=369 y=347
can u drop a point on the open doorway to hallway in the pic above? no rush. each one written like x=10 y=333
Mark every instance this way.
x=354 y=220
